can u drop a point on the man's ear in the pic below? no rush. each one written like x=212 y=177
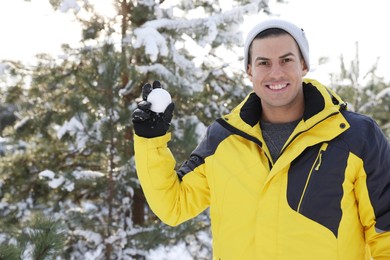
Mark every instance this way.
x=304 y=68
x=249 y=71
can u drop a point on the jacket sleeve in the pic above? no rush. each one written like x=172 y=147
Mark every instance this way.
x=172 y=199
x=373 y=191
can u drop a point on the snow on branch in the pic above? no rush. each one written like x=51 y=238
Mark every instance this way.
x=77 y=128
x=158 y=69
x=167 y=76
x=148 y=34
x=153 y=41
x=72 y=126
x=53 y=182
x=231 y=15
x=385 y=92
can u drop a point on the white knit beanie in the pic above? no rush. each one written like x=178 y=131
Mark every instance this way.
x=297 y=33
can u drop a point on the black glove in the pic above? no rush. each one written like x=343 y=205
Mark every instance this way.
x=148 y=123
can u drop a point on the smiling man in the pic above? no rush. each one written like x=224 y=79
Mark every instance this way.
x=289 y=174
x=276 y=70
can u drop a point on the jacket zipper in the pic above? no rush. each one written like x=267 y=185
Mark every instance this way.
x=315 y=167
x=295 y=136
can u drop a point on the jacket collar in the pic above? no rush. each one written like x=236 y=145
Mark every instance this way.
x=320 y=102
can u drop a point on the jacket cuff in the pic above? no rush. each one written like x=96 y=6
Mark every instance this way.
x=151 y=143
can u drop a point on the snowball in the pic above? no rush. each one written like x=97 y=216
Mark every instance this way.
x=160 y=99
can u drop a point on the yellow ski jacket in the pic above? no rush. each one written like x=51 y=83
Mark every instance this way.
x=326 y=197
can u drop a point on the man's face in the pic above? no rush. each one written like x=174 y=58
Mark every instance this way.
x=276 y=70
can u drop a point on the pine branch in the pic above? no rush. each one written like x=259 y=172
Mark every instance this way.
x=9 y=252
x=47 y=237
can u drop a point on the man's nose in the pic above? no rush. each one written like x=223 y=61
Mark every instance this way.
x=276 y=70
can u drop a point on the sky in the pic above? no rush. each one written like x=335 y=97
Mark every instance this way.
x=332 y=27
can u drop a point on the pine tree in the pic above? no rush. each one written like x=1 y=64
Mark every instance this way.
x=367 y=94
x=74 y=129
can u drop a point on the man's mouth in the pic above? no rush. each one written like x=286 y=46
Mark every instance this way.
x=276 y=86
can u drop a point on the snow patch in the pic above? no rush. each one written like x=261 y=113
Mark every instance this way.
x=53 y=182
x=88 y=235
x=72 y=126
x=67 y=5
x=87 y=175
x=177 y=252
x=3 y=68
x=46 y=173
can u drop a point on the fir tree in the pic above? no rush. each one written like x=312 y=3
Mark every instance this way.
x=72 y=155
x=367 y=94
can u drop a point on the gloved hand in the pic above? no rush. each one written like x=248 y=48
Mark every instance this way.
x=148 y=123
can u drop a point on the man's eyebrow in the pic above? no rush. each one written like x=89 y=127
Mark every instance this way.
x=261 y=58
x=287 y=54
x=281 y=57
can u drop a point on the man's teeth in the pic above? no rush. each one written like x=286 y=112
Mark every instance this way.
x=279 y=86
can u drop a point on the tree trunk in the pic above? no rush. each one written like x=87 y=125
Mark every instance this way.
x=138 y=207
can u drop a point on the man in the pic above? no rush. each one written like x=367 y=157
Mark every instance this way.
x=289 y=174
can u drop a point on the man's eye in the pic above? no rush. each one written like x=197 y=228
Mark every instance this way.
x=285 y=60
x=262 y=63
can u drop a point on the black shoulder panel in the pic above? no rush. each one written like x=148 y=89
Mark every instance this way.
x=216 y=133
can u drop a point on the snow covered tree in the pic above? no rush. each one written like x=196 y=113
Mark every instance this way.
x=69 y=135
x=367 y=94
x=73 y=122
